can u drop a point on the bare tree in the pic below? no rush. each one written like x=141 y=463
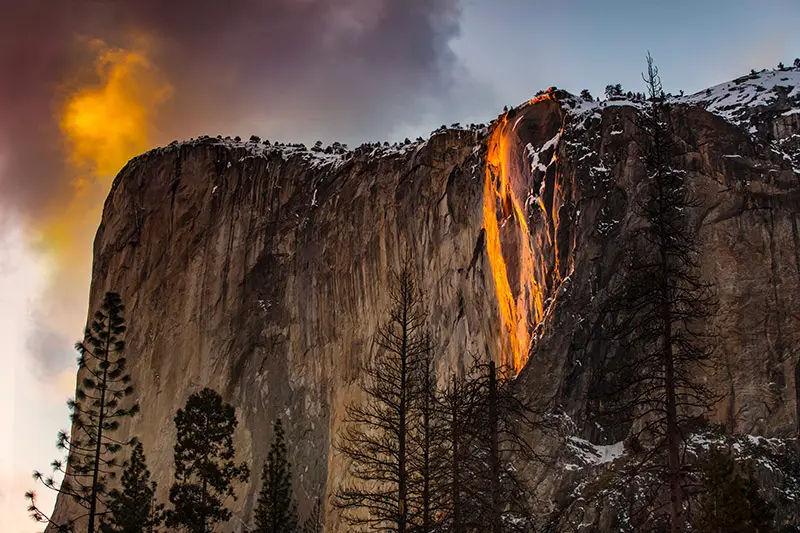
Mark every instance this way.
x=375 y=436
x=455 y=406
x=427 y=462
x=500 y=431
x=655 y=318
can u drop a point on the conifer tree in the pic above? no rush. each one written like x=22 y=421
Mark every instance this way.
x=613 y=91
x=205 y=470
x=95 y=412
x=656 y=317
x=730 y=501
x=133 y=507
x=313 y=524
x=276 y=511
x=375 y=436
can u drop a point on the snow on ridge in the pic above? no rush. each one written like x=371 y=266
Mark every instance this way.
x=731 y=99
x=333 y=155
x=317 y=156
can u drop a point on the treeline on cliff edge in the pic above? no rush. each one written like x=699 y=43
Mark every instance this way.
x=445 y=453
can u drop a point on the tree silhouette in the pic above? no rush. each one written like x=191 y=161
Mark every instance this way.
x=133 y=508
x=457 y=405
x=613 y=91
x=313 y=523
x=95 y=414
x=375 y=436
x=204 y=467
x=498 y=432
x=427 y=465
x=276 y=511
x=656 y=316
x=730 y=501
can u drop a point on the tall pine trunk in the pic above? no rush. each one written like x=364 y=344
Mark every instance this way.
x=674 y=440
x=98 y=450
x=673 y=432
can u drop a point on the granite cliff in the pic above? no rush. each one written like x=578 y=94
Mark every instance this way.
x=261 y=269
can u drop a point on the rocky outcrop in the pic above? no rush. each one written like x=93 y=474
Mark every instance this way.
x=262 y=271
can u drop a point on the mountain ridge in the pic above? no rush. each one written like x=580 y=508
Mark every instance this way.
x=262 y=271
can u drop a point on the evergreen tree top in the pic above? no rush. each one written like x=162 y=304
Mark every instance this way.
x=276 y=511
x=133 y=509
x=205 y=470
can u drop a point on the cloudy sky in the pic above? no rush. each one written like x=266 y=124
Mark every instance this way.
x=87 y=84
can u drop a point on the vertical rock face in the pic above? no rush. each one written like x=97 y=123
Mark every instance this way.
x=263 y=272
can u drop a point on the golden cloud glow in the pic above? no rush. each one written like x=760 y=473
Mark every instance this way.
x=108 y=122
x=105 y=120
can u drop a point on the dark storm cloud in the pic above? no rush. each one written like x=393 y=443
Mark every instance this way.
x=32 y=61
x=293 y=69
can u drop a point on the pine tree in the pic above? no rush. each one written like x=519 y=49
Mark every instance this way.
x=276 y=511
x=313 y=523
x=133 y=508
x=613 y=91
x=205 y=470
x=656 y=316
x=375 y=436
x=95 y=413
x=730 y=501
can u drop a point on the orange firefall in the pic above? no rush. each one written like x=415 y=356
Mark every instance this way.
x=502 y=206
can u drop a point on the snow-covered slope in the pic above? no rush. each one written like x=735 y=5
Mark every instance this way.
x=766 y=104
x=743 y=99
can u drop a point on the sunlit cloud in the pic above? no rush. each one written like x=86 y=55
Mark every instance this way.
x=105 y=114
x=104 y=122
x=105 y=119
x=109 y=121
